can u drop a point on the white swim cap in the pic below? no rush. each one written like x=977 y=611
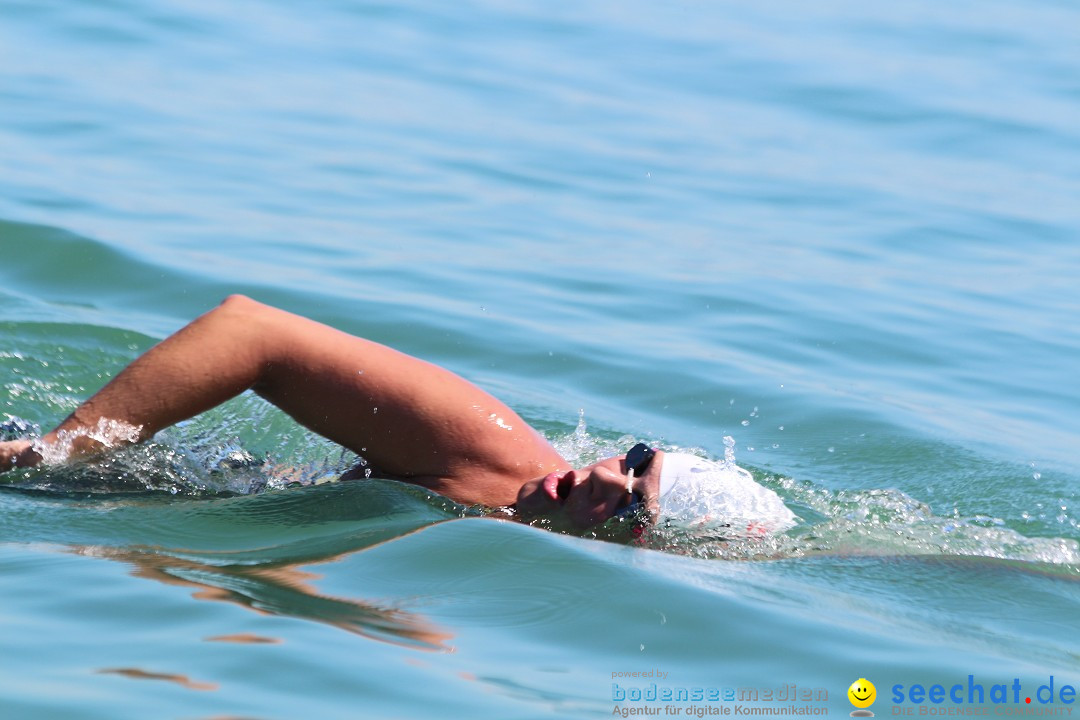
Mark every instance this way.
x=697 y=492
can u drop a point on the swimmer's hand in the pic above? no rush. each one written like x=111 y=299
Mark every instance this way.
x=17 y=453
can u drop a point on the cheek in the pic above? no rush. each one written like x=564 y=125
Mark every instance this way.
x=586 y=512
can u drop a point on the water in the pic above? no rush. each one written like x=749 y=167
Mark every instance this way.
x=844 y=234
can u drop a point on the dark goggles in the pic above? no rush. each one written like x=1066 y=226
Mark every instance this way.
x=638 y=459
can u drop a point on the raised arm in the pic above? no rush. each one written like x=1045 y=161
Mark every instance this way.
x=408 y=417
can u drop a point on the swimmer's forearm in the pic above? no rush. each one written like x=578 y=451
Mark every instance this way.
x=214 y=358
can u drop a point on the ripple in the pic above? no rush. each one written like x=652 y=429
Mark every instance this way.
x=138 y=674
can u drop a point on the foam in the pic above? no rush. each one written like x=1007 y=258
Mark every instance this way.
x=109 y=433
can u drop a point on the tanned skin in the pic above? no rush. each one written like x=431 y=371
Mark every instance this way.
x=410 y=419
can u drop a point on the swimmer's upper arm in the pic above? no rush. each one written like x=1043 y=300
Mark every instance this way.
x=408 y=416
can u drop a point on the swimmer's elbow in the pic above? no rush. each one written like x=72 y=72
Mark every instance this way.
x=237 y=301
x=240 y=309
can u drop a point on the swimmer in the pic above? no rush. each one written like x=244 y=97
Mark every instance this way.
x=411 y=420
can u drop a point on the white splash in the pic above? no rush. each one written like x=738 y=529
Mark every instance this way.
x=107 y=433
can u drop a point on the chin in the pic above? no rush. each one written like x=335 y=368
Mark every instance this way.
x=529 y=499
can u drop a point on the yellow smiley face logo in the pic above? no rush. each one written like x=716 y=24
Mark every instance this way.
x=862 y=693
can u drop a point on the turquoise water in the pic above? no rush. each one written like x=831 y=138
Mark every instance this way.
x=844 y=234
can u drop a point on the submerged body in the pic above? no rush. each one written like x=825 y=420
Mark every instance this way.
x=411 y=420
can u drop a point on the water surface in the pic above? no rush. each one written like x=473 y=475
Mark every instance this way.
x=844 y=235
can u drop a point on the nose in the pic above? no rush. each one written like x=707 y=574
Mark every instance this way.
x=598 y=493
x=605 y=482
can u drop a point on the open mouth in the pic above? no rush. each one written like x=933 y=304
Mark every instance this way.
x=558 y=485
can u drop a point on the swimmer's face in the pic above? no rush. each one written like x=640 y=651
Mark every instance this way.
x=589 y=495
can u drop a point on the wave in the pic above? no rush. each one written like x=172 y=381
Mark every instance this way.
x=219 y=455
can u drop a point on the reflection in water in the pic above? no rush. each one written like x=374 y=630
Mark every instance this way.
x=279 y=589
x=244 y=639
x=138 y=674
